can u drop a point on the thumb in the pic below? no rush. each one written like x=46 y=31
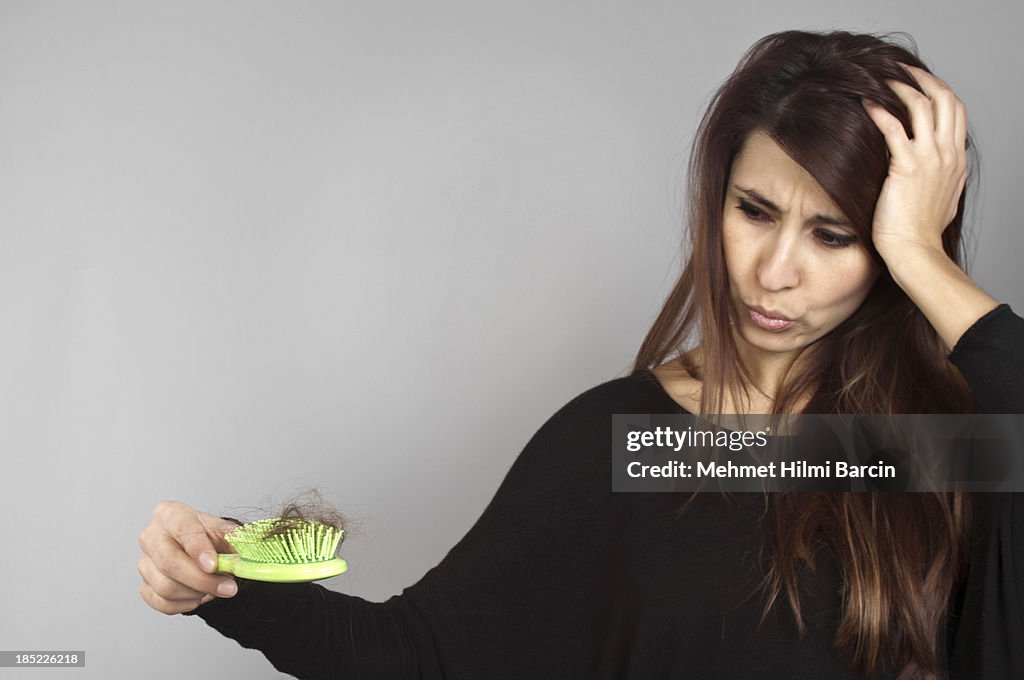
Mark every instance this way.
x=190 y=530
x=205 y=551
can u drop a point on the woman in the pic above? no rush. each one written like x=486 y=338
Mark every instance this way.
x=827 y=194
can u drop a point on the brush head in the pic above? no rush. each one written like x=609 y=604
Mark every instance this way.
x=284 y=550
x=287 y=541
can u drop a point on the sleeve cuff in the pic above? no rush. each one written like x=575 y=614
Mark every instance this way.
x=978 y=329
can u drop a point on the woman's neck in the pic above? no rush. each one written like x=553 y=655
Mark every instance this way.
x=767 y=369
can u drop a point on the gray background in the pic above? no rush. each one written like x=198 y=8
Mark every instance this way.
x=249 y=247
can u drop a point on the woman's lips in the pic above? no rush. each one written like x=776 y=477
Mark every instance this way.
x=768 y=323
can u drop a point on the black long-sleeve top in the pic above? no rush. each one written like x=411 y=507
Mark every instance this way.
x=562 y=578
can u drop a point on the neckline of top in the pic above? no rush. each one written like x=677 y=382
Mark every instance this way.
x=646 y=375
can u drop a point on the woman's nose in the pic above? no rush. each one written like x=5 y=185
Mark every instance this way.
x=779 y=268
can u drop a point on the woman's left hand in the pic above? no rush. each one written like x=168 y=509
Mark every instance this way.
x=918 y=201
x=927 y=173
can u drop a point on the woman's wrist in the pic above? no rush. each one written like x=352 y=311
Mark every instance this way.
x=897 y=252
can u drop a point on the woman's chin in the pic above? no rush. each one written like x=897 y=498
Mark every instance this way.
x=780 y=342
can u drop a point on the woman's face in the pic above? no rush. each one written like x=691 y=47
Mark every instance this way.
x=796 y=267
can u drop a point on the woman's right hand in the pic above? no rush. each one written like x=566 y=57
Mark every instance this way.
x=179 y=556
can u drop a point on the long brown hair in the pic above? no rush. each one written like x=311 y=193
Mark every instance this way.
x=902 y=555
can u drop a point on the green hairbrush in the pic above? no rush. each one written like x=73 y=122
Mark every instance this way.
x=283 y=551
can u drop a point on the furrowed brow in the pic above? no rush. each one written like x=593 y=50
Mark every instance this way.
x=758 y=198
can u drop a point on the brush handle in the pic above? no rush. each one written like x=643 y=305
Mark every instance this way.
x=279 y=573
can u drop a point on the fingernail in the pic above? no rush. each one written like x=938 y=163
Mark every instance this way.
x=227 y=588
x=207 y=561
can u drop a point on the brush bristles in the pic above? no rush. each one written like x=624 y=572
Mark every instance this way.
x=302 y=541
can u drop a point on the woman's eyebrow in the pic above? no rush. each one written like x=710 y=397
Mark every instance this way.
x=758 y=198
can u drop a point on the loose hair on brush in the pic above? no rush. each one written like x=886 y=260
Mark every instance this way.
x=901 y=555
x=301 y=507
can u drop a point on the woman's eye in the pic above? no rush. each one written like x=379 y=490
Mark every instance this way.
x=834 y=240
x=752 y=212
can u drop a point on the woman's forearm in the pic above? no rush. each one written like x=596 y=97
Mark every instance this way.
x=947 y=296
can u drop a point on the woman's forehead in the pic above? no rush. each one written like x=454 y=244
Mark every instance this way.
x=763 y=167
